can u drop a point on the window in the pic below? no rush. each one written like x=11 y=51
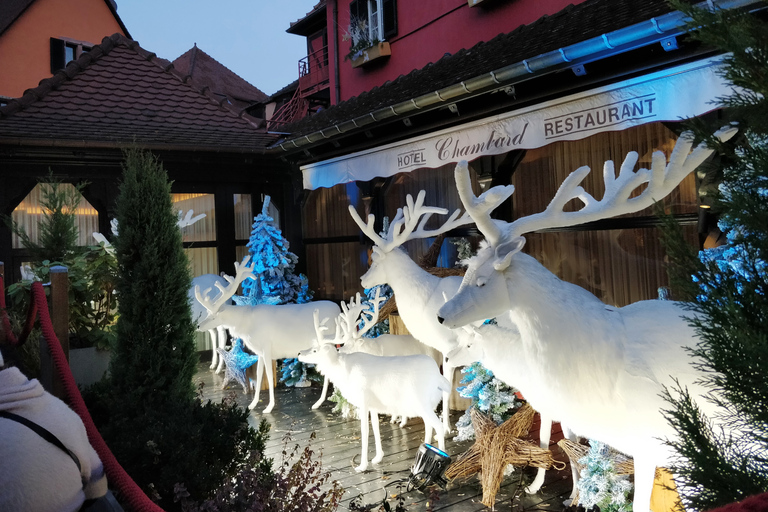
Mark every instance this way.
x=29 y=213
x=65 y=50
x=380 y=17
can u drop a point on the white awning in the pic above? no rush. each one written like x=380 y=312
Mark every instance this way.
x=669 y=95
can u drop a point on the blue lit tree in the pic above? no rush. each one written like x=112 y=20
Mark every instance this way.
x=490 y=395
x=274 y=265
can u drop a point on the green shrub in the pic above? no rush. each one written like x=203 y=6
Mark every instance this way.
x=147 y=411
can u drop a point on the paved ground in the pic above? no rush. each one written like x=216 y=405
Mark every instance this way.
x=339 y=441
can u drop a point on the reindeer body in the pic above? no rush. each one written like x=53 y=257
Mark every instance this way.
x=272 y=332
x=600 y=367
x=391 y=345
x=499 y=349
x=409 y=386
x=419 y=296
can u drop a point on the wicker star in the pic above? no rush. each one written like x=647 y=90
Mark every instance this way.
x=236 y=362
x=495 y=448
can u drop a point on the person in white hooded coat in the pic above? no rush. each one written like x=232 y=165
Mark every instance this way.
x=36 y=475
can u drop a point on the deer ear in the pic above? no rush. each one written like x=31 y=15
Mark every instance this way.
x=505 y=251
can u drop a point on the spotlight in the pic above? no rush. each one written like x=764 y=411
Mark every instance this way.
x=429 y=466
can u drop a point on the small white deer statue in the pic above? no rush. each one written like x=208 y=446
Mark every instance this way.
x=498 y=349
x=270 y=331
x=419 y=293
x=602 y=368
x=218 y=333
x=354 y=340
x=409 y=386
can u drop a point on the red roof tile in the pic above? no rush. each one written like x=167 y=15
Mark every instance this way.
x=119 y=94
x=205 y=70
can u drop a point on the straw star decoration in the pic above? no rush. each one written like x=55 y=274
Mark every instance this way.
x=236 y=362
x=495 y=448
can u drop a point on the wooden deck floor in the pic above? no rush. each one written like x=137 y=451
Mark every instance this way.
x=339 y=441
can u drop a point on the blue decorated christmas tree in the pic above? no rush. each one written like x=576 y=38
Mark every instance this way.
x=490 y=395
x=274 y=264
x=600 y=484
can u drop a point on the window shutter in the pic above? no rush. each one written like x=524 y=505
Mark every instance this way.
x=389 y=8
x=57 y=55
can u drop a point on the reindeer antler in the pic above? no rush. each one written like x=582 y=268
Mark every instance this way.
x=242 y=272
x=661 y=178
x=409 y=223
x=369 y=322
x=320 y=327
x=348 y=317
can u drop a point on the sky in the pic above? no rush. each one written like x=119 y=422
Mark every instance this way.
x=247 y=36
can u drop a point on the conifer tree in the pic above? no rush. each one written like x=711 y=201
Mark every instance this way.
x=147 y=411
x=155 y=351
x=723 y=459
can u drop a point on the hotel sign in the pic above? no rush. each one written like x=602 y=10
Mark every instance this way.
x=670 y=95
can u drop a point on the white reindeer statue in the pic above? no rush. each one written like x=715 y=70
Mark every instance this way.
x=498 y=349
x=419 y=293
x=218 y=333
x=409 y=386
x=270 y=331
x=602 y=368
x=353 y=338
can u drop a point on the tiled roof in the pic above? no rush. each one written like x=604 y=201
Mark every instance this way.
x=287 y=90
x=295 y=27
x=11 y=10
x=205 y=70
x=569 y=26
x=120 y=94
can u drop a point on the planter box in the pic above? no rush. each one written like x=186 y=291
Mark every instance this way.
x=88 y=365
x=373 y=53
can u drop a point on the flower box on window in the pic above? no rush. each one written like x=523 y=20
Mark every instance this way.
x=377 y=51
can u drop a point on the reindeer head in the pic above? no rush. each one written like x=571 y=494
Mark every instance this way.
x=242 y=272
x=408 y=224
x=469 y=348
x=323 y=348
x=481 y=294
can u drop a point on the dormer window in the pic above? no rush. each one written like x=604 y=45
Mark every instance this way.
x=64 y=50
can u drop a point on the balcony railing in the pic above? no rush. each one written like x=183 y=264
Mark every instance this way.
x=313 y=70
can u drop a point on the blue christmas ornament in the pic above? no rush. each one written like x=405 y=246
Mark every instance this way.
x=236 y=362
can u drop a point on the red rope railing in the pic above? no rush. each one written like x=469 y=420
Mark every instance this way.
x=131 y=494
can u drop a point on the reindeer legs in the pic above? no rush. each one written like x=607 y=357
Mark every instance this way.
x=545 y=434
x=448 y=369
x=322 y=395
x=376 y=438
x=259 y=376
x=363 y=412
x=220 y=341
x=271 y=380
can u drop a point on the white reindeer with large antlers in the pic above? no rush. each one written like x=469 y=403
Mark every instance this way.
x=598 y=368
x=407 y=386
x=270 y=331
x=419 y=293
